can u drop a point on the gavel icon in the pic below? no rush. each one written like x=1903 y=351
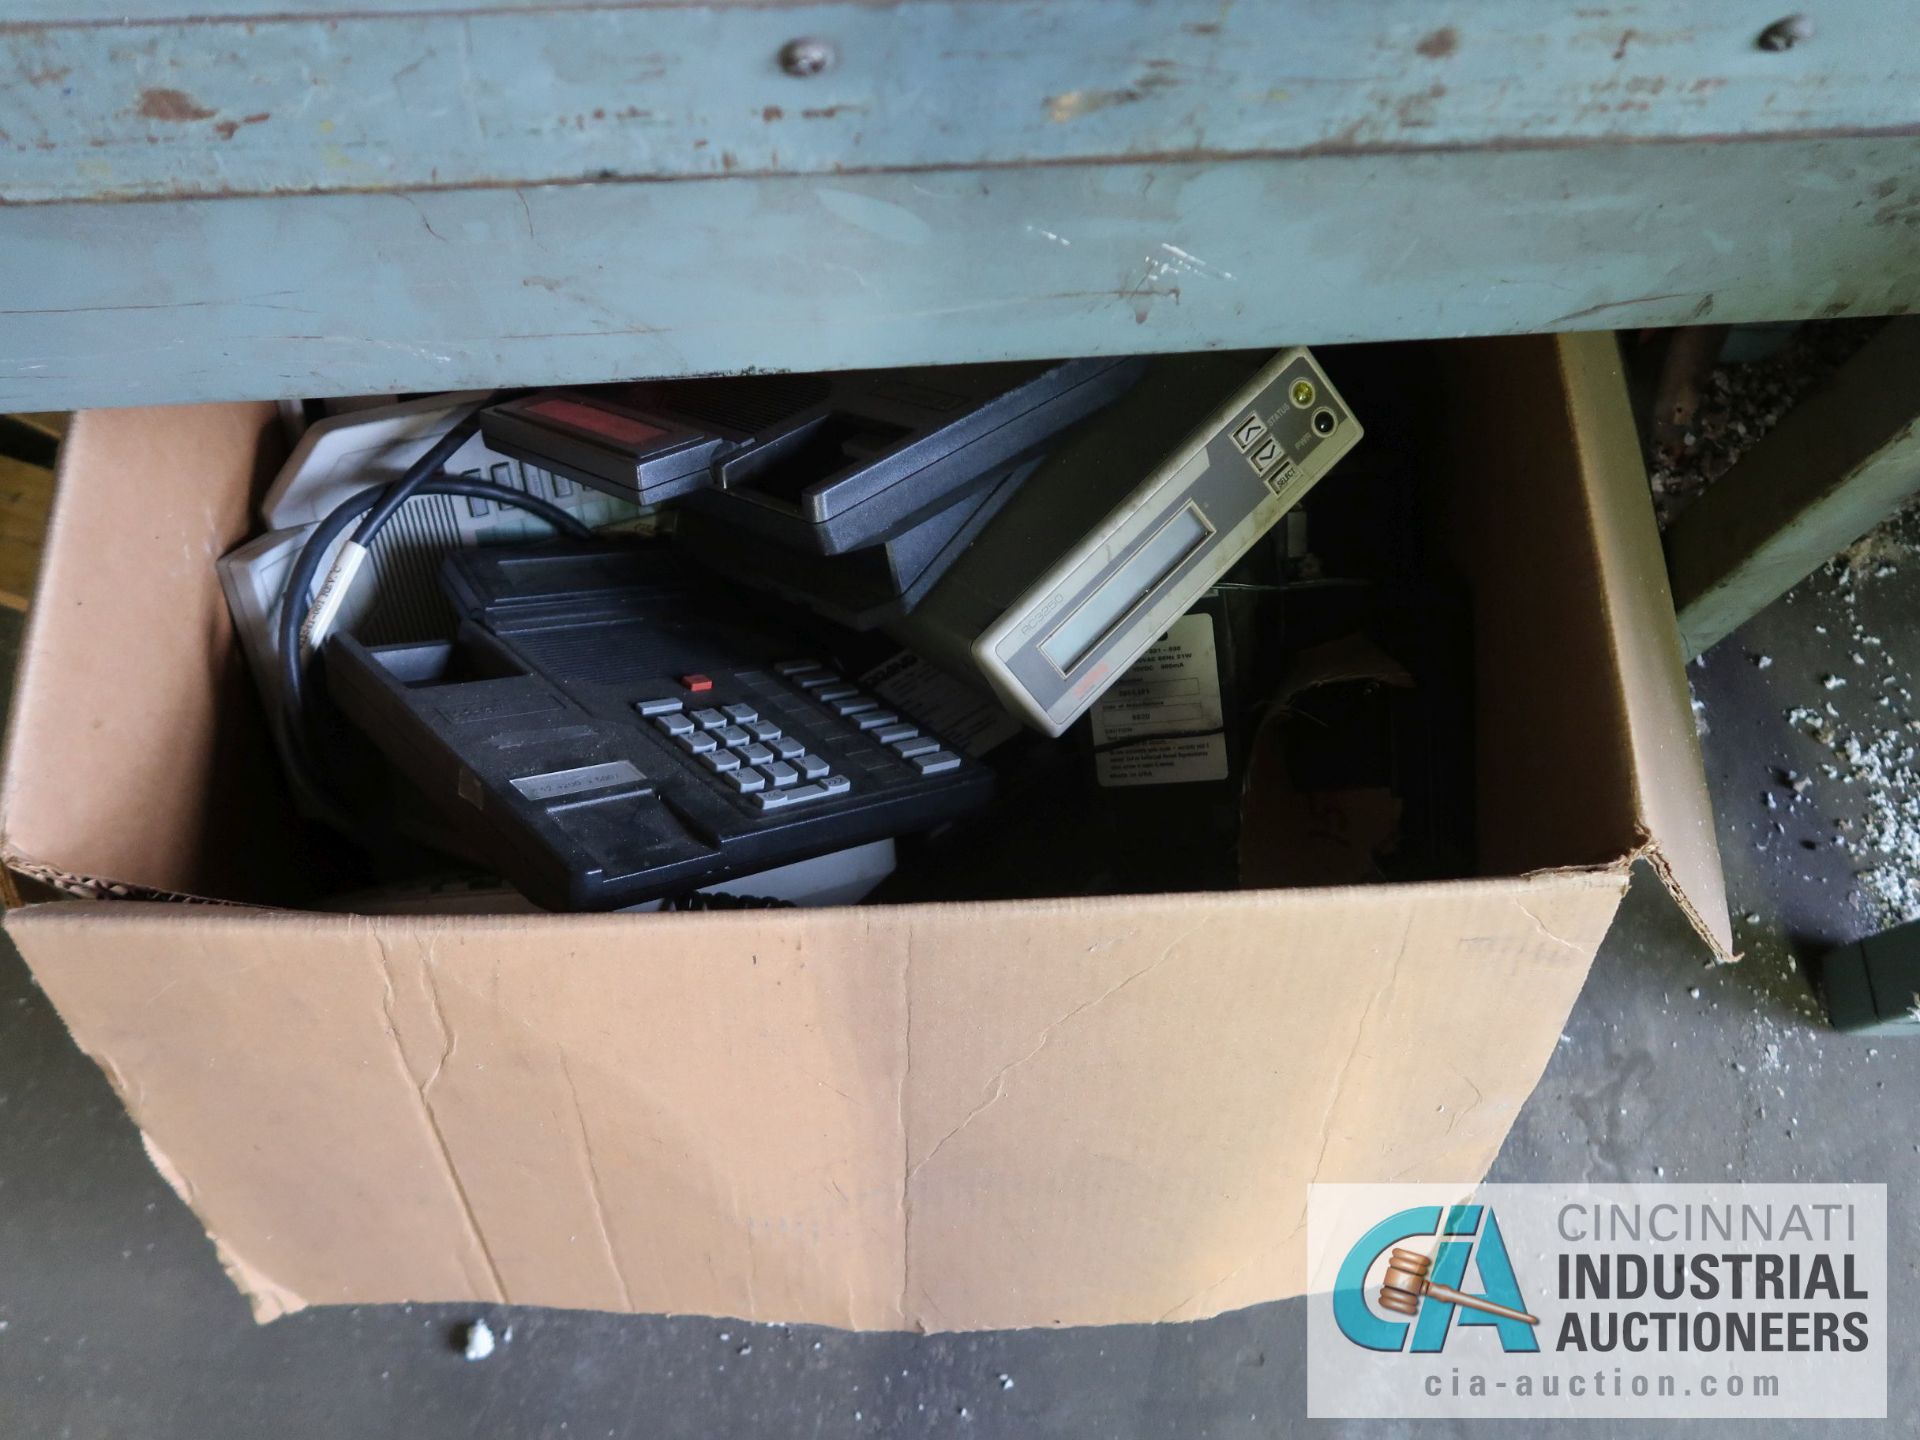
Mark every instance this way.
x=1406 y=1281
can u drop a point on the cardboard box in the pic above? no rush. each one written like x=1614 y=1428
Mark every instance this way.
x=928 y=1117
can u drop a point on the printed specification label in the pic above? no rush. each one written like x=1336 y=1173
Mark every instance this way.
x=1160 y=723
x=956 y=713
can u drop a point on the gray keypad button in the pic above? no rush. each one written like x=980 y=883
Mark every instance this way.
x=709 y=719
x=888 y=734
x=836 y=784
x=698 y=743
x=666 y=705
x=803 y=794
x=764 y=730
x=855 y=707
x=818 y=681
x=786 y=747
x=733 y=736
x=779 y=772
x=755 y=754
x=827 y=694
x=674 y=724
x=874 y=719
x=918 y=745
x=938 y=763
x=790 y=668
x=721 y=760
x=741 y=714
x=812 y=766
x=746 y=780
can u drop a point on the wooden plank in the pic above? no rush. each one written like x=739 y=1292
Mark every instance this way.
x=50 y=423
x=350 y=294
x=26 y=496
x=1837 y=465
x=25 y=438
x=115 y=99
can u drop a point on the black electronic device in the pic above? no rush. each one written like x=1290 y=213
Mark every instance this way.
x=862 y=589
x=1126 y=524
x=1872 y=987
x=821 y=463
x=604 y=729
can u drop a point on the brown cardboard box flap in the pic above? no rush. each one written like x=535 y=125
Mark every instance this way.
x=936 y=1117
x=124 y=763
x=1614 y=693
x=1670 y=791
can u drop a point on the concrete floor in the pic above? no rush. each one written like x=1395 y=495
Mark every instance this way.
x=118 y=1321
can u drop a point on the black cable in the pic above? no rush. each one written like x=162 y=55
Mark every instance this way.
x=297 y=597
x=417 y=474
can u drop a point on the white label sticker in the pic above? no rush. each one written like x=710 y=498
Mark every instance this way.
x=578 y=781
x=1173 y=691
x=1164 y=762
x=957 y=713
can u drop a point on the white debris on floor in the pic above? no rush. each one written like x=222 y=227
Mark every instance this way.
x=1875 y=761
x=479 y=1342
x=1740 y=403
